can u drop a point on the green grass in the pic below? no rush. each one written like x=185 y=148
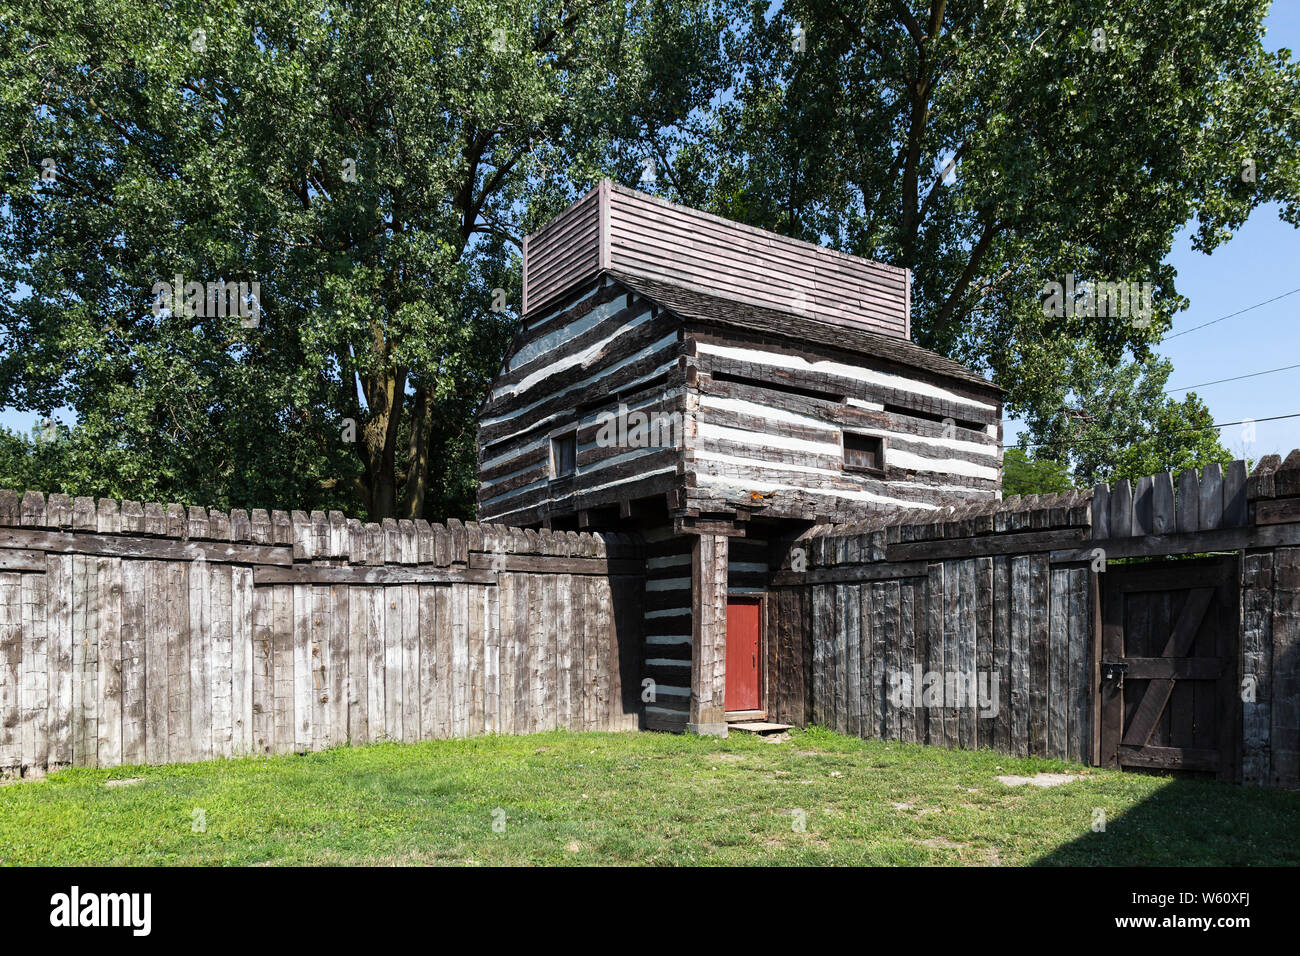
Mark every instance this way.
x=638 y=799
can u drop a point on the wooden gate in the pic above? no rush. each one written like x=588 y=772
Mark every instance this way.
x=1167 y=688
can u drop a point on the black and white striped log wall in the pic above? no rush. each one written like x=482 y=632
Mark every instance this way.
x=602 y=351
x=145 y=634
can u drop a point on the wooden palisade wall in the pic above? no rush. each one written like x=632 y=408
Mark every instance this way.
x=1009 y=588
x=137 y=634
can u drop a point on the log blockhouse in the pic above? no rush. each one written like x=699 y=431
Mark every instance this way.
x=718 y=389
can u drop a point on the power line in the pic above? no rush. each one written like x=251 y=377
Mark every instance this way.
x=1235 y=378
x=1113 y=438
x=1224 y=318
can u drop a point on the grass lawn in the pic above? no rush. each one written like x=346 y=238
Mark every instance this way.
x=638 y=799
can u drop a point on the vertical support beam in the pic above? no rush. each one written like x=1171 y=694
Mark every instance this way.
x=708 y=635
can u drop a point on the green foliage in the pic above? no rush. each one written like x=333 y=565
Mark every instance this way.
x=1117 y=423
x=1023 y=474
x=1082 y=137
x=373 y=166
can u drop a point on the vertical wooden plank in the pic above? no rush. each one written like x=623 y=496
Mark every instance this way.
x=475 y=684
x=339 y=663
x=1144 y=506
x=221 y=693
x=1021 y=634
x=35 y=657
x=892 y=611
x=460 y=664
x=410 y=662
x=242 y=661
x=492 y=660
x=322 y=627
x=282 y=632
x=1234 y=495
x=880 y=638
x=907 y=659
x=11 y=656
x=820 y=643
x=108 y=573
x=581 y=592
x=200 y=688
x=842 y=641
x=156 y=664
x=1058 y=663
x=952 y=632
x=1002 y=641
x=1079 y=731
x=523 y=656
x=564 y=652
x=1164 y=518
x=1121 y=510
x=602 y=657
x=394 y=658
x=986 y=676
x=1039 y=603
x=134 y=686
x=934 y=627
x=859 y=610
x=58 y=635
x=429 y=727
x=1189 y=502
x=1285 y=670
x=856 y=681
x=1211 y=497
x=966 y=652
x=445 y=638
x=303 y=636
x=262 y=673
x=506 y=658
x=376 y=690
x=592 y=712
x=1100 y=508
x=176 y=608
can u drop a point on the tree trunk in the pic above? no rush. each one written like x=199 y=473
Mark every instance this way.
x=417 y=462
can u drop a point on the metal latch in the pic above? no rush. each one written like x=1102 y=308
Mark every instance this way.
x=1114 y=670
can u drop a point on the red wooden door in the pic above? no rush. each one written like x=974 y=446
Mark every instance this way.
x=742 y=654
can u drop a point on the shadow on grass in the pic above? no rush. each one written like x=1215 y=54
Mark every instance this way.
x=1192 y=823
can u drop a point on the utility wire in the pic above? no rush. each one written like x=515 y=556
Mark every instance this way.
x=1235 y=378
x=1224 y=318
x=1113 y=438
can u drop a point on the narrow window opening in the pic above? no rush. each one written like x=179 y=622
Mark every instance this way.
x=564 y=455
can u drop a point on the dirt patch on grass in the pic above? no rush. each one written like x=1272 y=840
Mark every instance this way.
x=1039 y=779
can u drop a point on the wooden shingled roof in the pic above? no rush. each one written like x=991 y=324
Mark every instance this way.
x=693 y=305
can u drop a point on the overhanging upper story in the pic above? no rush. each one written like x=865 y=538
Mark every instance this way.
x=667 y=396
x=613 y=228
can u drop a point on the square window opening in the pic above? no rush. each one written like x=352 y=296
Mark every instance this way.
x=864 y=453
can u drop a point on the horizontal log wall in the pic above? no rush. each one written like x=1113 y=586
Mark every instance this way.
x=137 y=634
x=770 y=419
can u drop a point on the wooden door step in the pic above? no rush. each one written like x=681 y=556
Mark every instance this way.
x=745 y=716
x=761 y=727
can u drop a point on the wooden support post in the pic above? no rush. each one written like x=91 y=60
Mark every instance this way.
x=708 y=635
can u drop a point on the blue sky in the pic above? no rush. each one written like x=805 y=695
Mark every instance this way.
x=1260 y=262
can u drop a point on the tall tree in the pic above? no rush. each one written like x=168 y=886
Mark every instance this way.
x=372 y=166
x=995 y=146
x=1118 y=422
